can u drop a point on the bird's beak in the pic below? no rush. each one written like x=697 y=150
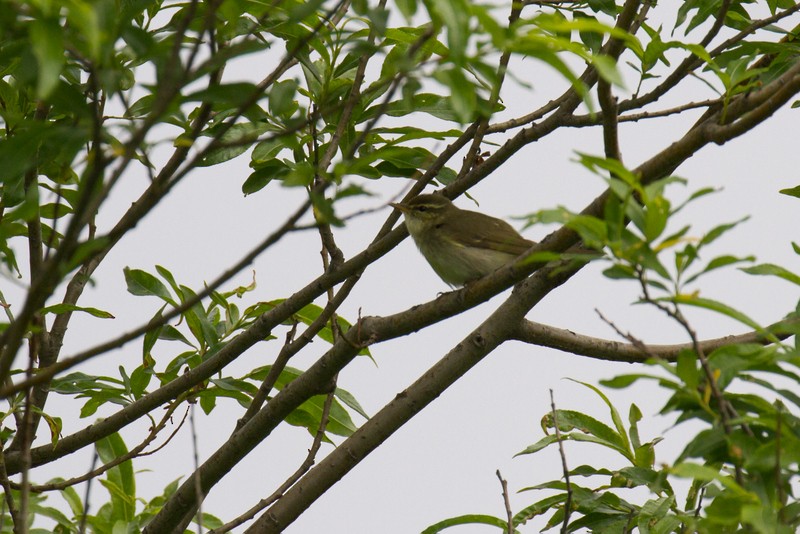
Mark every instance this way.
x=398 y=206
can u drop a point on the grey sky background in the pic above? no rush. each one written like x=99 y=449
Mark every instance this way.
x=443 y=462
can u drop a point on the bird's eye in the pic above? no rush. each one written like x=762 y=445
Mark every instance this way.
x=422 y=208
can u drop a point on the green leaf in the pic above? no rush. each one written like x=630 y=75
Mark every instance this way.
x=265 y=172
x=454 y=14
x=463 y=98
x=48 y=47
x=607 y=69
x=592 y=40
x=653 y=511
x=119 y=480
x=54 y=424
x=69 y=308
x=708 y=474
x=141 y=283
x=267 y=150
x=773 y=270
x=730 y=360
x=615 y=417
x=229 y=94
x=169 y=277
x=593 y=231
x=18 y=154
x=235 y=141
x=716 y=306
x=620 y=272
x=198 y=321
x=281 y=97
x=539 y=445
x=591 y=430
x=645 y=455
x=469 y=519
x=792 y=191
x=170 y=333
x=718 y=262
x=140 y=378
x=300 y=11
x=616 y=169
x=54 y=514
x=407 y=7
x=348 y=399
x=634 y=416
x=339 y=421
x=717 y=231
x=686 y=368
x=73 y=499
x=408 y=157
x=91 y=19
x=435 y=105
x=623 y=381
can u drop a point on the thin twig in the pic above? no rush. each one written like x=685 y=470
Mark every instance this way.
x=196 y=456
x=88 y=493
x=26 y=439
x=778 y=469
x=307 y=464
x=293 y=347
x=691 y=62
x=135 y=452
x=507 y=503
x=699 y=507
x=635 y=341
x=564 y=468
x=8 y=497
x=483 y=123
x=726 y=411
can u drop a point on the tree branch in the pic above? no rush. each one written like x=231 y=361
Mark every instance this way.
x=462 y=357
x=615 y=351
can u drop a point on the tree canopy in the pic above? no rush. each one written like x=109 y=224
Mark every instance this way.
x=316 y=114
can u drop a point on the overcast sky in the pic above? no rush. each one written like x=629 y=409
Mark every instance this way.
x=443 y=462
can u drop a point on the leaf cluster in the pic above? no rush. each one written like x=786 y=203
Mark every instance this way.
x=339 y=100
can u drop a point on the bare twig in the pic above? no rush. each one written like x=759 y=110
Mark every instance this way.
x=691 y=62
x=307 y=464
x=350 y=103
x=87 y=494
x=726 y=411
x=8 y=498
x=699 y=502
x=135 y=452
x=636 y=342
x=196 y=457
x=293 y=347
x=506 y=503
x=564 y=468
x=27 y=434
x=779 y=482
x=483 y=123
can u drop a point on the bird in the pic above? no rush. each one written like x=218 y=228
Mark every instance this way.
x=460 y=245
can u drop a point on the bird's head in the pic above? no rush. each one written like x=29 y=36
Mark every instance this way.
x=424 y=212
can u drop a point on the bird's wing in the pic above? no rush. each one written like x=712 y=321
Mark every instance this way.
x=513 y=244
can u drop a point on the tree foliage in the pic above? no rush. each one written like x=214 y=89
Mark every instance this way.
x=338 y=99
